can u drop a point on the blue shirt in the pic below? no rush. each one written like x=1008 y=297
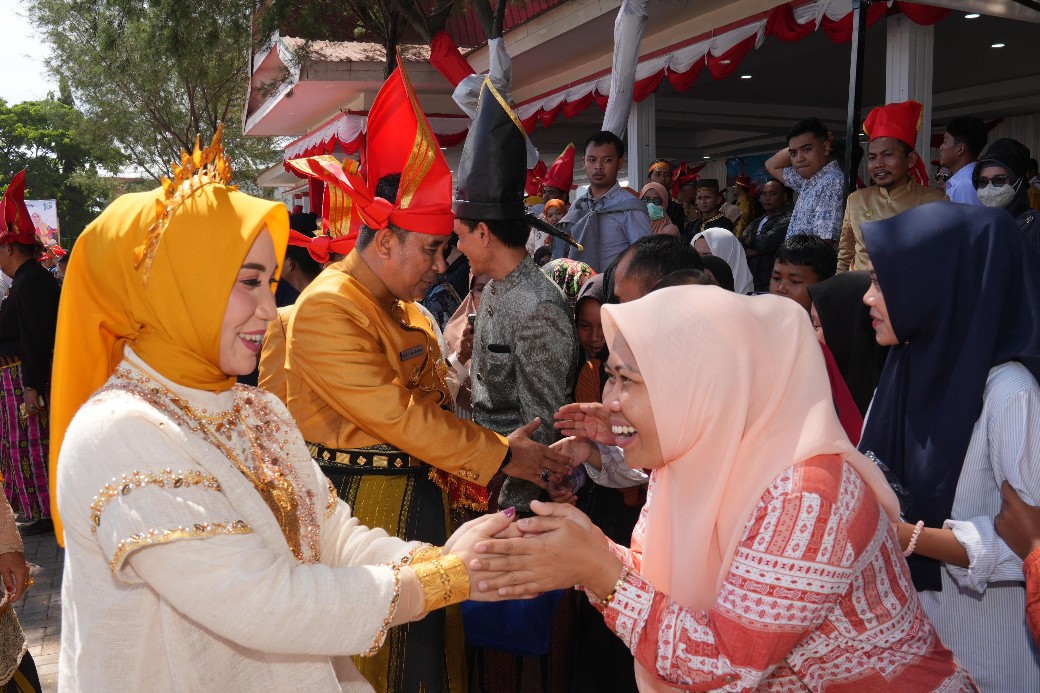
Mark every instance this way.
x=821 y=201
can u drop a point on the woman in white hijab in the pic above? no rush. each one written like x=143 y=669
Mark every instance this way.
x=723 y=244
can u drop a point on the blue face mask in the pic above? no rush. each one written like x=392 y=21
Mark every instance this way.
x=656 y=212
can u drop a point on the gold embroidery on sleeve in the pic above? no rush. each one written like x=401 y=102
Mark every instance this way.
x=199 y=530
x=166 y=478
x=330 y=508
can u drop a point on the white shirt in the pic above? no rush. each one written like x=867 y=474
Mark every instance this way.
x=959 y=187
x=980 y=612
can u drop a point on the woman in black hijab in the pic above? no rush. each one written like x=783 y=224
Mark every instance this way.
x=837 y=304
x=1000 y=181
x=957 y=412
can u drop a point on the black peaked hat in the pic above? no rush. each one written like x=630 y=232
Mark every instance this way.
x=492 y=172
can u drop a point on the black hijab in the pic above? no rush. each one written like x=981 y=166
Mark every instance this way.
x=1012 y=156
x=963 y=296
x=849 y=334
x=720 y=270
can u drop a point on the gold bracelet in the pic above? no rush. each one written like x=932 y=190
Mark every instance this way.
x=605 y=602
x=423 y=554
x=445 y=581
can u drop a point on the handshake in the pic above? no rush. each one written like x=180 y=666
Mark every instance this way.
x=521 y=559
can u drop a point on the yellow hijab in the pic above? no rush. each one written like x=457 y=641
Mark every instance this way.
x=174 y=316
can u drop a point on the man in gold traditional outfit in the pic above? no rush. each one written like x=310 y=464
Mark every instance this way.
x=366 y=379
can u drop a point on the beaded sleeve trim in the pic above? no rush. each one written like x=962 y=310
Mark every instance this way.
x=166 y=478
x=391 y=611
x=152 y=537
x=421 y=554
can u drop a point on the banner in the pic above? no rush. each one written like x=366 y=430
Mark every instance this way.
x=754 y=167
x=44 y=215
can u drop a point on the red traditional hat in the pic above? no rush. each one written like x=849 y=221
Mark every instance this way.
x=900 y=120
x=535 y=179
x=17 y=227
x=561 y=173
x=340 y=220
x=399 y=141
x=58 y=252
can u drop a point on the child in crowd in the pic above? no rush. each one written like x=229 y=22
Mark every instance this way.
x=800 y=262
x=552 y=212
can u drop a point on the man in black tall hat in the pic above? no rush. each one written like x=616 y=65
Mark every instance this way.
x=525 y=345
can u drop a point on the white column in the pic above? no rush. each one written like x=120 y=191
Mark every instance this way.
x=641 y=145
x=909 y=63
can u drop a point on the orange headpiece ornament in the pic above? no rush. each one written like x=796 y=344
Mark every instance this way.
x=17 y=226
x=399 y=141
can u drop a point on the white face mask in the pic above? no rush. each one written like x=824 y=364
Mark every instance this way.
x=991 y=196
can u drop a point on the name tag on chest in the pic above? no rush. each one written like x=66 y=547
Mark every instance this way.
x=413 y=352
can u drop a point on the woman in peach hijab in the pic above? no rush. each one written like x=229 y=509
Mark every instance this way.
x=657 y=200
x=765 y=554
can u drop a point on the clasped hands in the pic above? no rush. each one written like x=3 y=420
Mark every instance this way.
x=558 y=548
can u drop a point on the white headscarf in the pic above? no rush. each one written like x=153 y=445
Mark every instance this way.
x=725 y=245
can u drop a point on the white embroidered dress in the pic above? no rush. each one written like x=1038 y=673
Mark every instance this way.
x=178 y=577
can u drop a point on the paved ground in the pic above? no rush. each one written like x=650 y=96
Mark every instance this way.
x=40 y=609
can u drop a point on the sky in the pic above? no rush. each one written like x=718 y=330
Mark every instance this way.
x=24 y=76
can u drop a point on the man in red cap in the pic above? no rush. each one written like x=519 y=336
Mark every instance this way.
x=366 y=381
x=898 y=173
x=28 y=318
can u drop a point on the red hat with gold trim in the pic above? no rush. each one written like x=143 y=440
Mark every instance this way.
x=399 y=141
x=900 y=120
x=17 y=226
x=340 y=222
x=561 y=173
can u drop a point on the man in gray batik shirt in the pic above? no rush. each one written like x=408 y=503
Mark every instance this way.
x=524 y=346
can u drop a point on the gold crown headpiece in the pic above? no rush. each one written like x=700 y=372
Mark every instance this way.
x=209 y=166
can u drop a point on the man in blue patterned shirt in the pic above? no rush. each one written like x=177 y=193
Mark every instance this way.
x=806 y=166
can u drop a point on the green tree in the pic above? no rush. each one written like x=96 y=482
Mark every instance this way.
x=64 y=161
x=150 y=76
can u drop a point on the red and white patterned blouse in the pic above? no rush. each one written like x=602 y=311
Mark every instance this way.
x=818 y=597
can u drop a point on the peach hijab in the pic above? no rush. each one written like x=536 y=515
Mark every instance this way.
x=705 y=353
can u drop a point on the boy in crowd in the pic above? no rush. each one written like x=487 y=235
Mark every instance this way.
x=801 y=261
x=806 y=166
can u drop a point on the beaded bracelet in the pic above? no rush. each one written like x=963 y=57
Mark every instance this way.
x=913 y=539
x=605 y=602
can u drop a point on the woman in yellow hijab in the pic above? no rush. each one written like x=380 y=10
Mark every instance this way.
x=205 y=550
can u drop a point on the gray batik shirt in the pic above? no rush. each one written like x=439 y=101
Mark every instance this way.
x=524 y=361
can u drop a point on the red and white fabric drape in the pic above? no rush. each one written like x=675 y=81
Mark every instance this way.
x=345 y=134
x=721 y=51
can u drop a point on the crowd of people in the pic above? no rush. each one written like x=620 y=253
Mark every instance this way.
x=788 y=439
